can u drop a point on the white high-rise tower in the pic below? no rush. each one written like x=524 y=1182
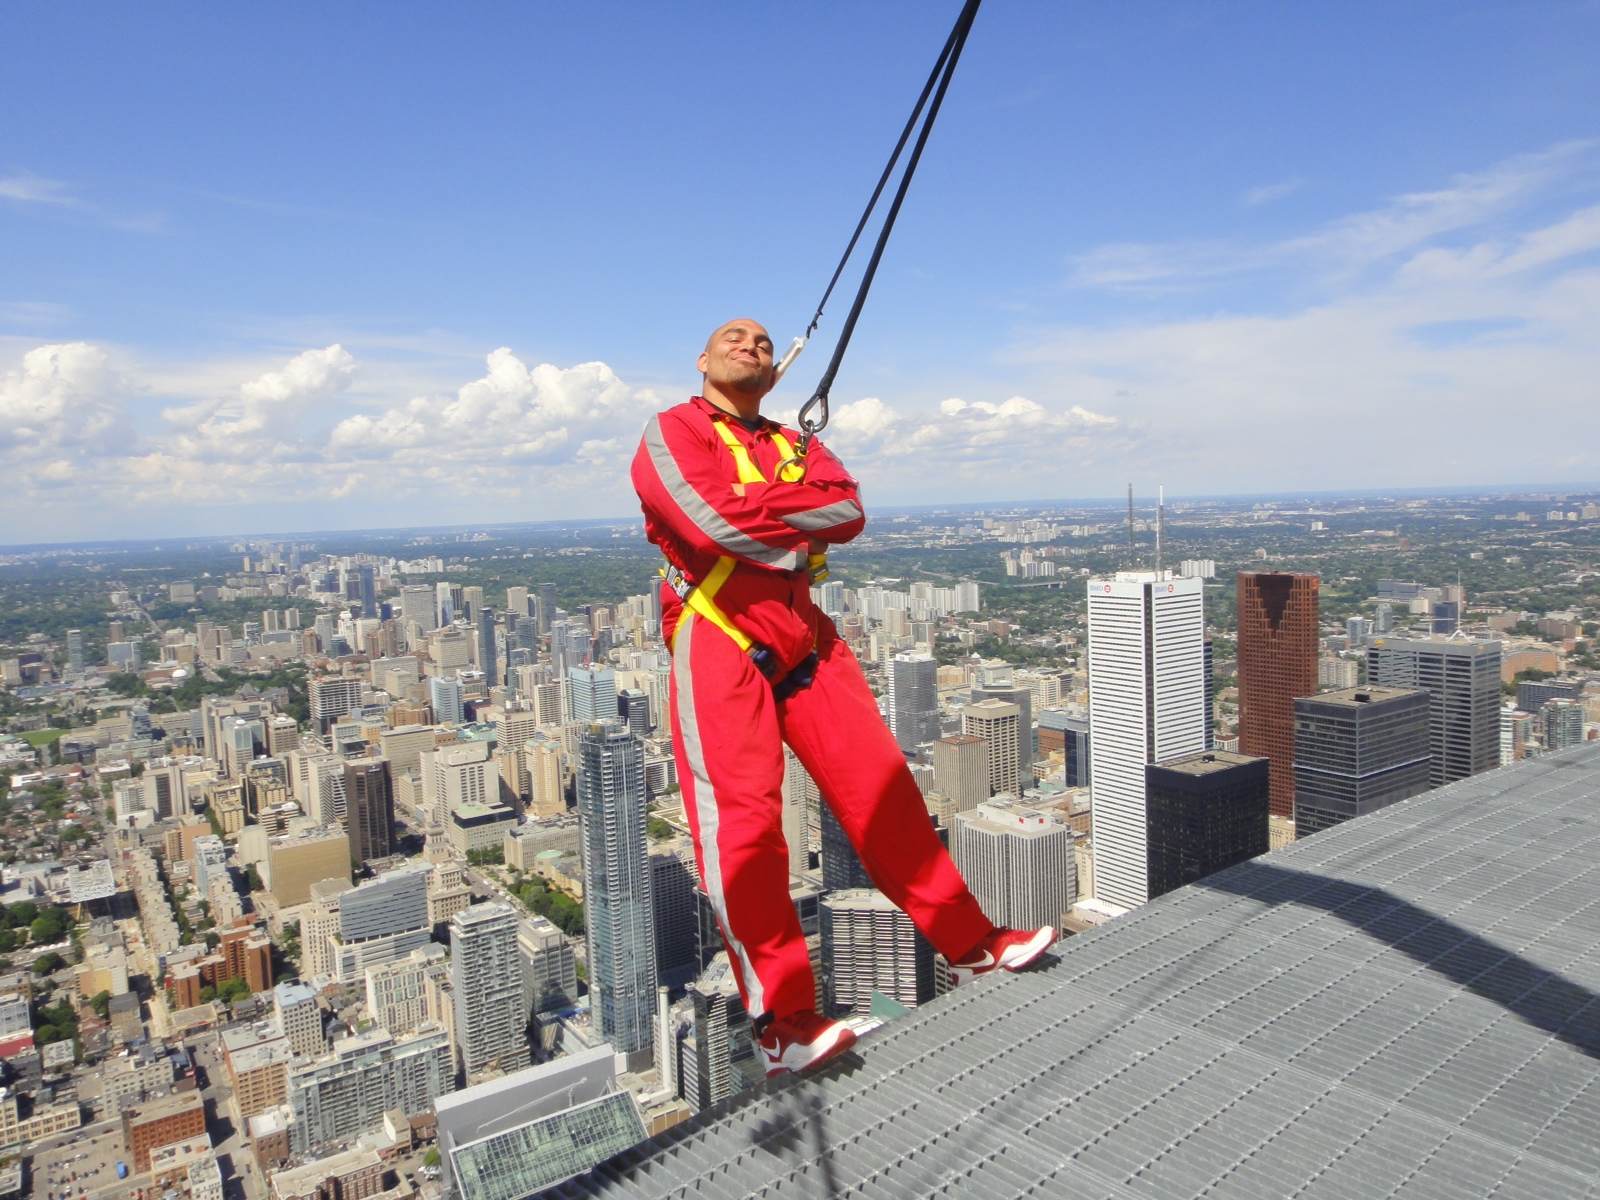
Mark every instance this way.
x=1147 y=702
x=913 y=699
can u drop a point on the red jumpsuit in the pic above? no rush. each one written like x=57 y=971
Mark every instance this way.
x=729 y=728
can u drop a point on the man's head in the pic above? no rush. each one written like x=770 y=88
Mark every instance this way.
x=737 y=362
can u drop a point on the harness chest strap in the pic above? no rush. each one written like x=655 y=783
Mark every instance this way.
x=701 y=598
x=791 y=469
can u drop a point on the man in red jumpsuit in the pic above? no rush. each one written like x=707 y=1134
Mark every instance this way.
x=760 y=665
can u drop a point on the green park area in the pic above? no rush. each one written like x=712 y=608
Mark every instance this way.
x=38 y=738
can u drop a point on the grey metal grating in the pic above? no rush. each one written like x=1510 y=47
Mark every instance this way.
x=1402 y=1006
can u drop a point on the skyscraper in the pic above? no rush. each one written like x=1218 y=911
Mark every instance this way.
x=1531 y=693
x=294 y=1007
x=486 y=982
x=869 y=945
x=961 y=770
x=1146 y=703
x=1561 y=723
x=74 y=649
x=417 y=606
x=1069 y=734
x=1277 y=664
x=347 y=1093
x=591 y=693
x=333 y=698
x=633 y=708
x=547 y=606
x=488 y=656
x=1018 y=862
x=841 y=866
x=445 y=698
x=617 y=887
x=672 y=888
x=1357 y=751
x=1206 y=810
x=997 y=681
x=367 y=588
x=913 y=699
x=998 y=723
x=801 y=799
x=369 y=808
x=1462 y=679
x=456 y=776
x=382 y=920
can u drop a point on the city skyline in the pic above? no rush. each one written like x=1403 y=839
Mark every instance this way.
x=330 y=778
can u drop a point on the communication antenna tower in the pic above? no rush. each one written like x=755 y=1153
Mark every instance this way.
x=1161 y=522
x=1133 y=561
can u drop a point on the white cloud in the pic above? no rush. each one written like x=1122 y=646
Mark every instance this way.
x=969 y=440
x=512 y=417
x=30 y=189
x=267 y=417
x=1344 y=247
x=1574 y=236
x=64 y=394
x=1267 y=193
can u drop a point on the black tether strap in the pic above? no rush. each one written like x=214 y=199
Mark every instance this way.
x=938 y=83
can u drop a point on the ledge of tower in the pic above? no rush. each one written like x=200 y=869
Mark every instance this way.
x=1404 y=1006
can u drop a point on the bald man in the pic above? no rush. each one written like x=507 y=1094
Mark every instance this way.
x=745 y=526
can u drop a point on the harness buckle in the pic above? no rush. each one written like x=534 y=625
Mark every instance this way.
x=678 y=582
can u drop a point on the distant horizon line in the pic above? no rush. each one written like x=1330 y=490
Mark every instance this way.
x=1119 y=502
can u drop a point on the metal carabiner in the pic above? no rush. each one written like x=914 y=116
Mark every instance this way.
x=809 y=428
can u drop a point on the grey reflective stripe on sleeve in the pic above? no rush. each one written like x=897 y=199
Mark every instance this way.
x=825 y=517
x=705 y=805
x=706 y=518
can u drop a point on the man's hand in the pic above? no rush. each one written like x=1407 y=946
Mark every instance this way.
x=738 y=489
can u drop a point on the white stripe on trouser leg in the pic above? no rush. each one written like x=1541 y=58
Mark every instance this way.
x=705 y=804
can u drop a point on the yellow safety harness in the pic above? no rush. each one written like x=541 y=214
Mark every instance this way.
x=701 y=598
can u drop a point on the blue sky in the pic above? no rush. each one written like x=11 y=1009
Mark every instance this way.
x=279 y=267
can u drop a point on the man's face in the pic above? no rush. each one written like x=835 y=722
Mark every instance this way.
x=738 y=358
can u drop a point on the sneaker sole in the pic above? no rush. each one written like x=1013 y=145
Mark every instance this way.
x=844 y=1037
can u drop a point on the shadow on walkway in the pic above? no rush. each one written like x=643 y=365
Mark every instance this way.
x=1541 y=997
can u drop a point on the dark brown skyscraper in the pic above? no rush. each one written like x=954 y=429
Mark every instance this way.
x=1277 y=663
x=369 y=808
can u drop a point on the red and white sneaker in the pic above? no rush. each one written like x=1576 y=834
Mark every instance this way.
x=801 y=1041
x=1003 y=950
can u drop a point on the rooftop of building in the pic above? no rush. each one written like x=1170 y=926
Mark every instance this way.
x=301 y=837
x=273 y=1053
x=1405 y=1005
x=181 y=1153
x=164 y=1106
x=293 y=991
x=1207 y=762
x=469 y=812
x=303 y=1179
x=1358 y=697
x=1446 y=642
x=241 y=1037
